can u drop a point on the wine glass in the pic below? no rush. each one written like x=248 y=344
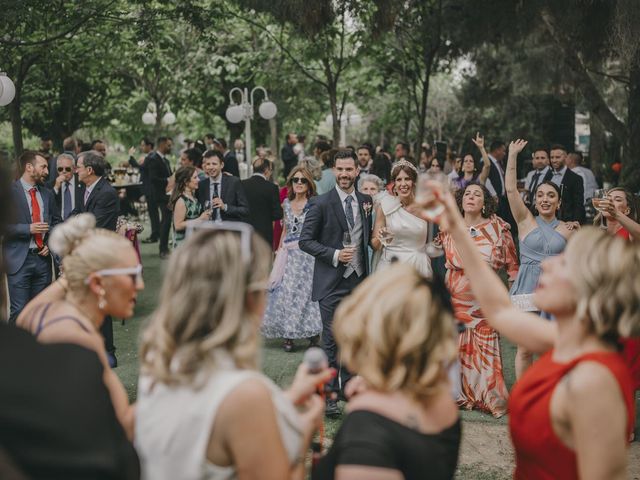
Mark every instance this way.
x=386 y=236
x=347 y=242
x=207 y=206
x=431 y=207
x=599 y=195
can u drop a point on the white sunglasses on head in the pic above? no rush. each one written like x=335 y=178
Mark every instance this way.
x=244 y=229
x=134 y=272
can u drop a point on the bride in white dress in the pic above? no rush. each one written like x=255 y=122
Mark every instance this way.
x=399 y=234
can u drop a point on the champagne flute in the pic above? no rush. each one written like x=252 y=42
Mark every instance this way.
x=386 y=236
x=207 y=206
x=347 y=242
x=599 y=195
x=432 y=208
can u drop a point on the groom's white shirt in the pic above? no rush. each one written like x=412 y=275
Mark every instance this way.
x=354 y=205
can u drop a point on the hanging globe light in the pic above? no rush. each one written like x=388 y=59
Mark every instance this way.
x=169 y=118
x=148 y=118
x=7 y=90
x=267 y=110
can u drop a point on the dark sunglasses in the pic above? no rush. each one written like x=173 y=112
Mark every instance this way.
x=65 y=169
x=302 y=180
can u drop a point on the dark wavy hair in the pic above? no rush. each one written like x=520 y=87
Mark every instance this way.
x=490 y=203
x=183 y=177
x=395 y=171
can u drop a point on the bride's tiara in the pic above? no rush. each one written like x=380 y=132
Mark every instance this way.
x=403 y=163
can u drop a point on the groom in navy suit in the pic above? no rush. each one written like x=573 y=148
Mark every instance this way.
x=338 y=269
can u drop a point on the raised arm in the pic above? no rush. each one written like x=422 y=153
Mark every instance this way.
x=519 y=210
x=486 y=163
x=525 y=329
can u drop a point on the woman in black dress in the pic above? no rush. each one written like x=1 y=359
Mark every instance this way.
x=397 y=331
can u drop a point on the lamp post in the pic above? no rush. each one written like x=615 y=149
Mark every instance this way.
x=244 y=111
x=150 y=116
x=7 y=90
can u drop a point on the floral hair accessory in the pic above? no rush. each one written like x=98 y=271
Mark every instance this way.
x=403 y=163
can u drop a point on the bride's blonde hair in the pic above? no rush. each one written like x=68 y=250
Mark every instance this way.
x=203 y=307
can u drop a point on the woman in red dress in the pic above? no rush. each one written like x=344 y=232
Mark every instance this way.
x=620 y=209
x=571 y=413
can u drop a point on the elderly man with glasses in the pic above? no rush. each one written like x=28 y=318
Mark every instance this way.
x=68 y=189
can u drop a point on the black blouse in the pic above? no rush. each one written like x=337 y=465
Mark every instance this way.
x=370 y=439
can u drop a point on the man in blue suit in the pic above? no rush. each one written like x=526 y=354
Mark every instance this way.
x=339 y=268
x=25 y=247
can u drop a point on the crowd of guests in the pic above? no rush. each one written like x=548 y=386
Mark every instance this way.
x=407 y=346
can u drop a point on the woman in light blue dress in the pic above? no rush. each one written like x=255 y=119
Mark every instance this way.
x=290 y=313
x=541 y=236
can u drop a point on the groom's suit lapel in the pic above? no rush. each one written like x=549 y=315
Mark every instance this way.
x=338 y=210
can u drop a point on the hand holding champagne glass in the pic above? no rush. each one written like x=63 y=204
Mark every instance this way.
x=599 y=195
x=348 y=245
x=386 y=236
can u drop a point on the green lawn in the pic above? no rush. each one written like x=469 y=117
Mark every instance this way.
x=277 y=364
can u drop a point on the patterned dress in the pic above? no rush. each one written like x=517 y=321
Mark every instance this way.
x=194 y=209
x=290 y=312
x=482 y=383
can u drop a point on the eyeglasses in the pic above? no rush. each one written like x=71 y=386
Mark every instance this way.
x=134 y=272
x=302 y=180
x=65 y=169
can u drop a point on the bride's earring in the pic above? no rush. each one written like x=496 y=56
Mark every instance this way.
x=484 y=211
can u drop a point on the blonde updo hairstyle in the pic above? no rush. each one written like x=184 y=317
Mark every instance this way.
x=607 y=283
x=203 y=308
x=85 y=249
x=396 y=332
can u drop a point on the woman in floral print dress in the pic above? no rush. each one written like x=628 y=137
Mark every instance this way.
x=482 y=382
x=290 y=313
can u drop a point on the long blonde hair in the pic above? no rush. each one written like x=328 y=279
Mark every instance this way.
x=202 y=307
x=606 y=281
x=397 y=332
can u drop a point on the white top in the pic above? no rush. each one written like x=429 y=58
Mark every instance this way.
x=409 y=244
x=173 y=424
x=588 y=180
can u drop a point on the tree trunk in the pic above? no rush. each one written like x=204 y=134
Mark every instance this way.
x=422 y=114
x=15 y=115
x=336 y=122
x=596 y=147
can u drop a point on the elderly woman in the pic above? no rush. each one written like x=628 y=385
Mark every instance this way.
x=204 y=410
x=571 y=413
x=102 y=276
x=397 y=331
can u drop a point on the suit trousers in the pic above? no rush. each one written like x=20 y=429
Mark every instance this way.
x=33 y=277
x=154 y=216
x=328 y=307
x=165 y=226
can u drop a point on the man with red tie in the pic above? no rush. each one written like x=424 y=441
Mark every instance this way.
x=25 y=248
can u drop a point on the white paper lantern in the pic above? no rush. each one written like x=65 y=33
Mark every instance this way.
x=148 y=118
x=235 y=113
x=7 y=90
x=267 y=110
x=169 y=118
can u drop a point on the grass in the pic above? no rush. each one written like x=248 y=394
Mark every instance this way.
x=277 y=364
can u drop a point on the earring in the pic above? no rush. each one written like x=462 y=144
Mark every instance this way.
x=102 y=302
x=483 y=210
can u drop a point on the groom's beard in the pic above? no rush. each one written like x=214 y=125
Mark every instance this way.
x=345 y=182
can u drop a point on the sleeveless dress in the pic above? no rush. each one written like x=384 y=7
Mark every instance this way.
x=540 y=454
x=409 y=244
x=173 y=424
x=631 y=346
x=290 y=312
x=482 y=382
x=194 y=209
x=540 y=243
